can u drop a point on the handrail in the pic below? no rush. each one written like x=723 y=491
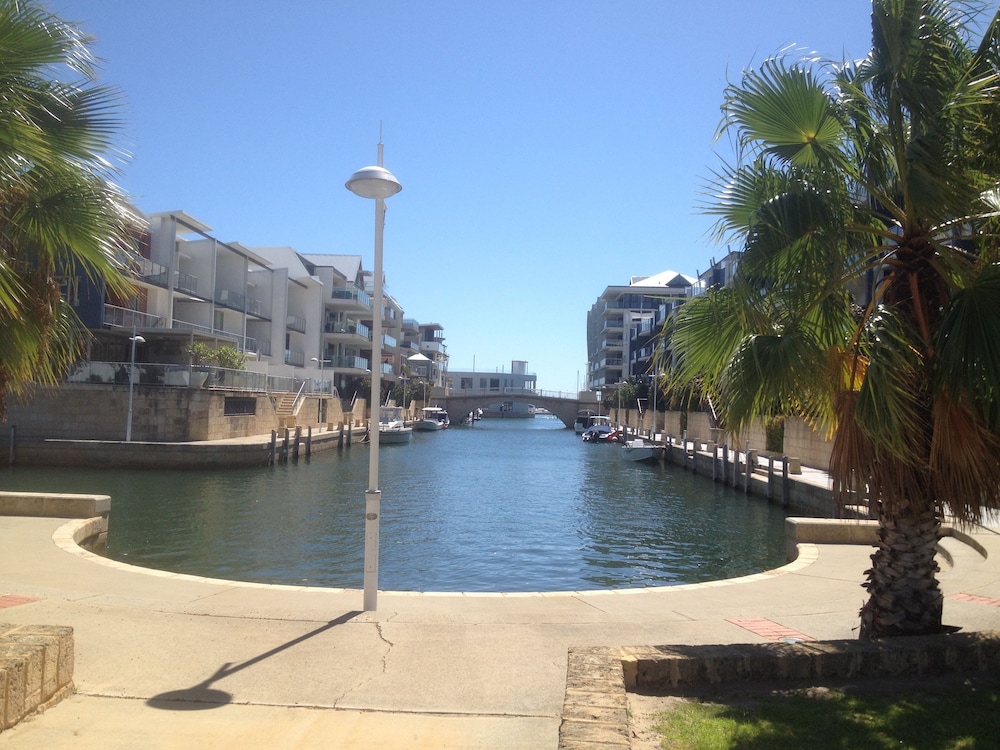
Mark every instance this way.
x=299 y=400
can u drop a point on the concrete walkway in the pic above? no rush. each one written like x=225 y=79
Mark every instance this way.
x=171 y=661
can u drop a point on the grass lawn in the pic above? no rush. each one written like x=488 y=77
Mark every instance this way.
x=942 y=713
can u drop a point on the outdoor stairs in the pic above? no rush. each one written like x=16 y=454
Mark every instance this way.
x=284 y=409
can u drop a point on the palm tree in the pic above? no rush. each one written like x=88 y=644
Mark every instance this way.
x=865 y=199
x=61 y=217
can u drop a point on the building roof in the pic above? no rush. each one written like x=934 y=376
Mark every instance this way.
x=348 y=266
x=664 y=278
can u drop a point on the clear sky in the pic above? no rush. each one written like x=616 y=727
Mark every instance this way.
x=547 y=148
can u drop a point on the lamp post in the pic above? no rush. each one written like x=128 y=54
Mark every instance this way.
x=322 y=383
x=376 y=183
x=131 y=383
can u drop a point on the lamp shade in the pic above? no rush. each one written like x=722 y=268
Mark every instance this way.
x=373 y=182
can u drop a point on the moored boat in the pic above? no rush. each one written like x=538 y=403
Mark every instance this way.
x=392 y=428
x=432 y=418
x=638 y=449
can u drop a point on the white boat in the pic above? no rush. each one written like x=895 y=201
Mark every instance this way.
x=391 y=427
x=587 y=419
x=432 y=418
x=638 y=449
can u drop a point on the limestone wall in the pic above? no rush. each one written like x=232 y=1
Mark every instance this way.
x=100 y=412
x=801 y=441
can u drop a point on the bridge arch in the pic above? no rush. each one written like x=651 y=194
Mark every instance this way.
x=563 y=406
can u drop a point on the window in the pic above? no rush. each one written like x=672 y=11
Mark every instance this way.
x=237 y=406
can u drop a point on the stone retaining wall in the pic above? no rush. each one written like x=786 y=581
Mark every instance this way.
x=36 y=669
x=595 y=710
x=36 y=661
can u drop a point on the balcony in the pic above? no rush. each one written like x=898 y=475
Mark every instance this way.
x=295 y=323
x=353 y=298
x=295 y=358
x=185 y=282
x=242 y=343
x=348 y=328
x=120 y=317
x=349 y=363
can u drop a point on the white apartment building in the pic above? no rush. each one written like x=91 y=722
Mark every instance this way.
x=304 y=317
x=623 y=323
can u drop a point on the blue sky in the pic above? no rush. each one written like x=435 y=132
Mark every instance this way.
x=547 y=149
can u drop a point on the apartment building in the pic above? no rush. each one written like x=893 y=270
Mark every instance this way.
x=624 y=323
x=303 y=317
x=425 y=352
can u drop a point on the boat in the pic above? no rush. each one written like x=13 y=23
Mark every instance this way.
x=392 y=428
x=432 y=418
x=585 y=419
x=638 y=449
x=602 y=432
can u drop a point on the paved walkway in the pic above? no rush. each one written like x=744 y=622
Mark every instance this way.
x=170 y=661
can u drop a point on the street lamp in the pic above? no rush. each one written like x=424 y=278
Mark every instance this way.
x=131 y=378
x=376 y=183
x=322 y=383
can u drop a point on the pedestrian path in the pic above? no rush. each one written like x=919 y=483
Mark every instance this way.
x=172 y=661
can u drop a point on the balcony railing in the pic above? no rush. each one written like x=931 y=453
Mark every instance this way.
x=121 y=317
x=295 y=358
x=191 y=376
x=186 y=282
x=350 y=328
x=295 y=323
x=349 y=363
x=243 y=343
x=354 y=295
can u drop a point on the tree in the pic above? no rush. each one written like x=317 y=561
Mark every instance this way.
x=61 y=216
x=865 y=197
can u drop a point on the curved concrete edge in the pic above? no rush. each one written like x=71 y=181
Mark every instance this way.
x=72 y=536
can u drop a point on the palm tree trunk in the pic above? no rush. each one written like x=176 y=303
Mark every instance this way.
x=904 y=597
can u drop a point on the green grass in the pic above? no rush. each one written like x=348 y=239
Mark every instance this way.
x=961 y=715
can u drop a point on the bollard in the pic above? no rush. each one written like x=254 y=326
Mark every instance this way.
x=770 y=477
x=298 y=440
x=785 y=487
x=309 y=441
x=274 y=445
x=725 y=462
x=284 y=447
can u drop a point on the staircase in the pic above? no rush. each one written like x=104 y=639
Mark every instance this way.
x=284 y=409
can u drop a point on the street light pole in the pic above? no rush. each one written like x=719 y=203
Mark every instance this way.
x=375 y=183
x=131 y=378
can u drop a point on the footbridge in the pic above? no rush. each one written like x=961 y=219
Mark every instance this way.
x=563 y=405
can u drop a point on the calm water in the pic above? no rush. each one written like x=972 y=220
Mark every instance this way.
x=507 y=505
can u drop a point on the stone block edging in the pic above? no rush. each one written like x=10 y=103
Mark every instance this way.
x=36 y=669
x=598 y=678
x=54 y=505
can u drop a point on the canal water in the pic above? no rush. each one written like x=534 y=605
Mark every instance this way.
x=507 y=505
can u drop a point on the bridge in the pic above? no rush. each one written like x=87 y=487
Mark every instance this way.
x=563 y=405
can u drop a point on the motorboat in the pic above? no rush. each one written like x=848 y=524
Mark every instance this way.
x=432 y=418
x=392 y=427
x=638 y=449
x=585 y=419
x=601 y=433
